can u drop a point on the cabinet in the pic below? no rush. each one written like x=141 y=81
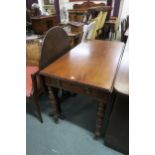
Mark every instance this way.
x=42 y=24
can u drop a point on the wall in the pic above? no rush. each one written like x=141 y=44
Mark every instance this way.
x=125 y=9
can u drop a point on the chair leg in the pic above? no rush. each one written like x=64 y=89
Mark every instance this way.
x=36 y=103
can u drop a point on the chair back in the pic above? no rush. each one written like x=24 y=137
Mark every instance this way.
x=55 y=44
x=97 y=25
x=88 y=31
x=103 y=19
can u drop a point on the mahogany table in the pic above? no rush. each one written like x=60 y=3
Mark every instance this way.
x=90 y=69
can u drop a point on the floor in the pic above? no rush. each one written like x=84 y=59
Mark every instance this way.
x=72 y=136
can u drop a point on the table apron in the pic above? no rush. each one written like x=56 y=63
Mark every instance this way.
x=99 y=94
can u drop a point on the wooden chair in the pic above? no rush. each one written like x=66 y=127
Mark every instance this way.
x=102 y=22
x=97 y=27
x=55 y=44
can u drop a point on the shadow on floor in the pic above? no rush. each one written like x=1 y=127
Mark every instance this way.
x=79 y=110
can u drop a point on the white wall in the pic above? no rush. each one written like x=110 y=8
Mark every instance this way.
x=125 y=8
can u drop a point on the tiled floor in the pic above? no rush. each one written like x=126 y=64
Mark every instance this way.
x=72 y=136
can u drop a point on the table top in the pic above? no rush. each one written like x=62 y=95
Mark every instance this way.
x=122 y=79
x=127 y=32
x=92 y=63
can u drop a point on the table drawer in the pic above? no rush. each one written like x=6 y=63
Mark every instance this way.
x=78 y=88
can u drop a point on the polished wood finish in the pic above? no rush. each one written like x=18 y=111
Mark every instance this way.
x=92 y=61
x=122 y=79
x=41 y=24
x=89 y=68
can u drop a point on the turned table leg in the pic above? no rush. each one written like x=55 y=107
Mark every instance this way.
x=99 y=119
x=52 y=98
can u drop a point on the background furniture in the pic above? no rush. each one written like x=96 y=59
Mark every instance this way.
x=41 y=24
x=79 y=11
x=117 y=134
x=86 y=69
x=112 y=27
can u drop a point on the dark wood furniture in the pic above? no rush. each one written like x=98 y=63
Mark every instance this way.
x=79 y=11
x=117 y=134
x=41 y=24
x=89 y=68
x=86 y=5
x=55 y=44
x=111 y=26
